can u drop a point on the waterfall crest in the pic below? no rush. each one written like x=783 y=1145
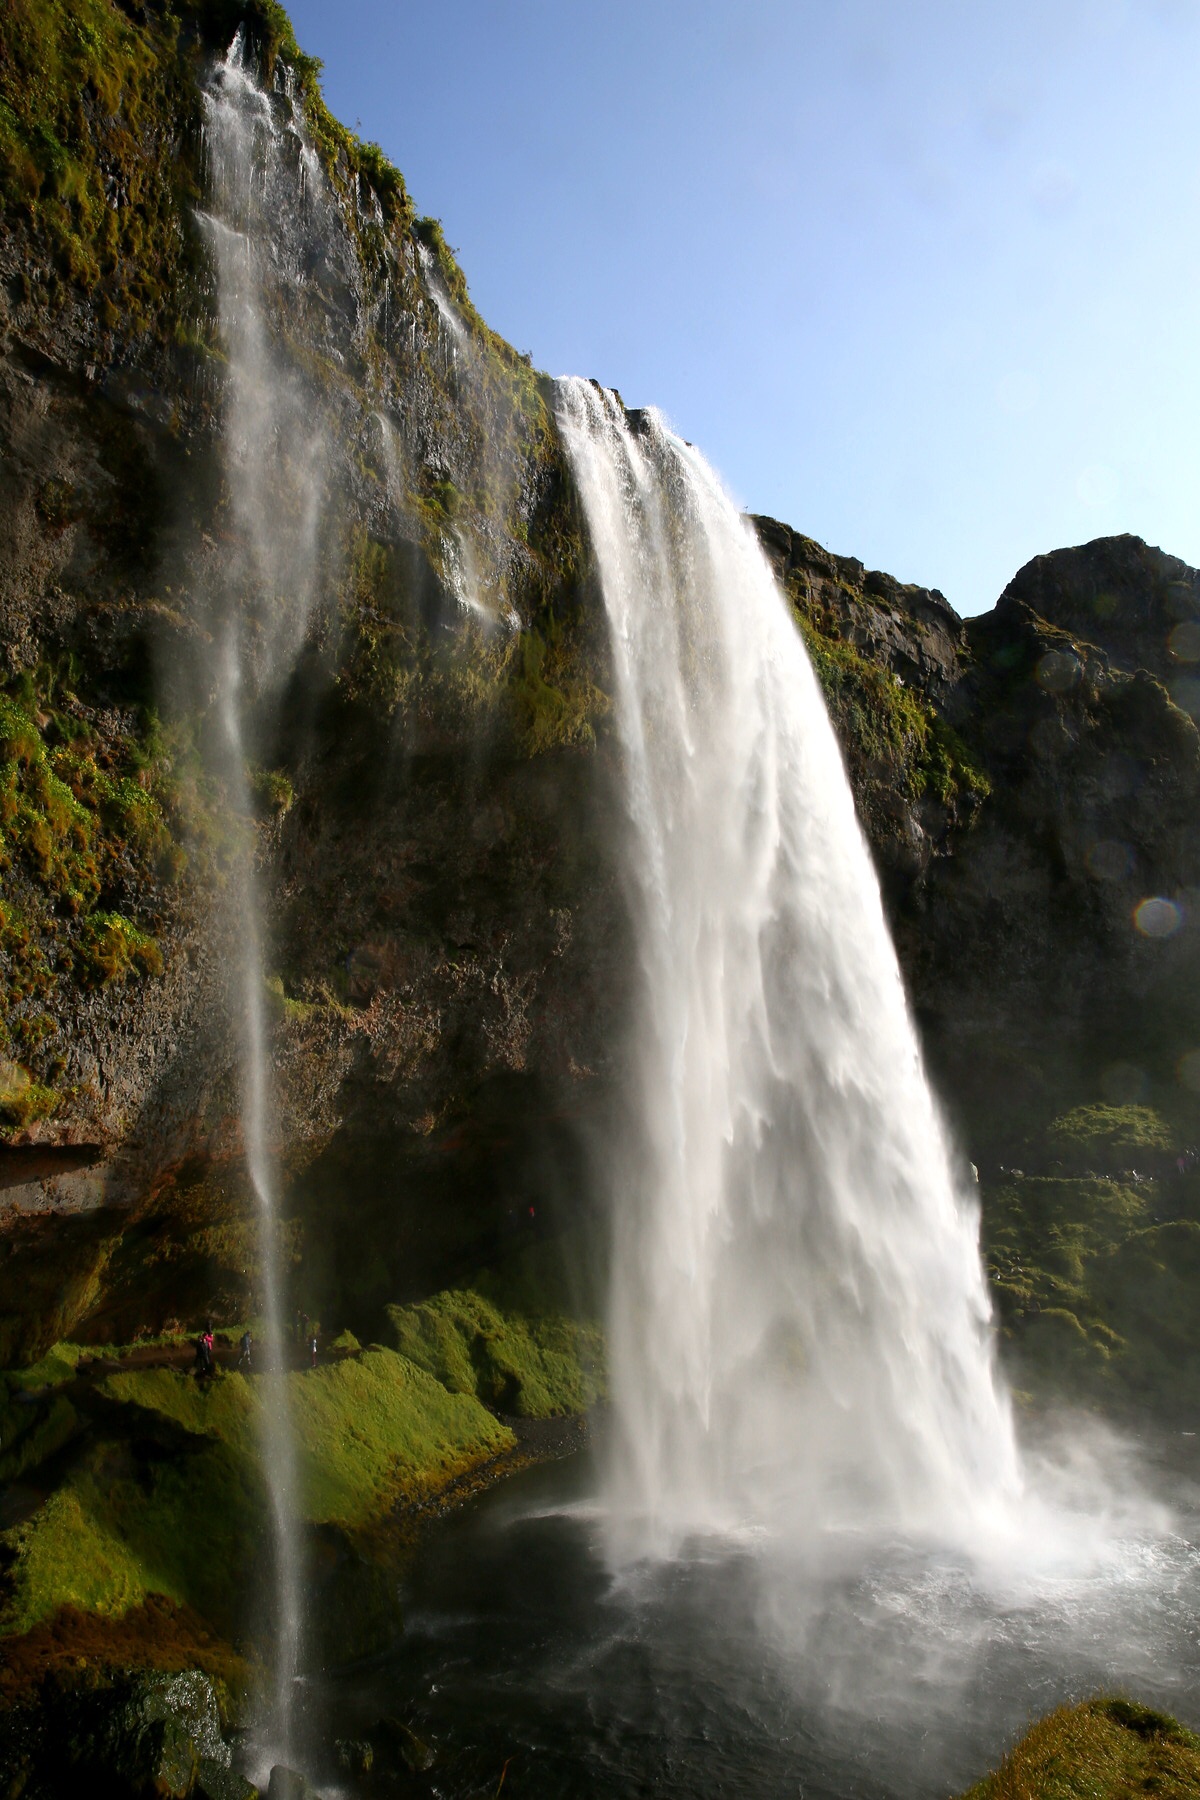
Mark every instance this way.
x=799 y=1323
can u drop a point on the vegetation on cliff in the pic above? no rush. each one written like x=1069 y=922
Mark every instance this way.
x=532 y=1367
x=89 y=822
x=886 y=728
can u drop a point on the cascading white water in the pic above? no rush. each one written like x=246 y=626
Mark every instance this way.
x=261 y=166
x=799 y=1320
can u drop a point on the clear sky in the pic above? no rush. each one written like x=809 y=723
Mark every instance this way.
x=921 y=279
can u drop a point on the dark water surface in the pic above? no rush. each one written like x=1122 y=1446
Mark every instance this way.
x=742 y=1671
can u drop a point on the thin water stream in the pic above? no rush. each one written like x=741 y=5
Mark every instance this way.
x=267 y=205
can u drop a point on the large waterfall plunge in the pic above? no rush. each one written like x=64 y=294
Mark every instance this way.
x=799 y=1321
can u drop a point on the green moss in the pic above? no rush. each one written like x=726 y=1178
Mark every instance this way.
x=882 y=721
x=1093 y=1296
x=90 y=832
x=58 y=1365
x=372 y=1426
x=31 y=1434
x=1107 y=1137
x=27 y=1101
x=111 y=948
x=273 y=791
x=223 y=1408
x=1102 y=1750
x=555 y=699
x=536 y=1366
x=83 y=88
x=190 y=1523
x=366 y=1428
x=66 y=1555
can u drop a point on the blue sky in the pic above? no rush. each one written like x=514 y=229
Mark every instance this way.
x=920 y=279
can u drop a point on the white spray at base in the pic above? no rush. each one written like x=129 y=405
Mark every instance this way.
x=799 y=1323
x=275 y=458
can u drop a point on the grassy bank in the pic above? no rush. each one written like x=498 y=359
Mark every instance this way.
x=149 y=1501
x=1102 y=1750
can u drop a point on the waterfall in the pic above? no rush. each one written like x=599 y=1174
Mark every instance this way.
x=799 y=1322
x=269 y=203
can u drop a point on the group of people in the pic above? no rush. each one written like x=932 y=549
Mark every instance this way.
x=205 y=1366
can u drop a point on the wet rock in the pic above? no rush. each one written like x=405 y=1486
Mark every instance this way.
x=289 y=1784
x=406 y=1745
x=355 y=1756
x=214 y=1781
x=150 y=1733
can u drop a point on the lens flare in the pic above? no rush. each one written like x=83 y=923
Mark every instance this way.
x=1157 y=917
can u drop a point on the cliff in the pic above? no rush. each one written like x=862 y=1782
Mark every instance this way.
x=431 y=796
x=423 y=796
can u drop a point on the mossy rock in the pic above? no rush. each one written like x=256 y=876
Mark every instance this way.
x=32 y=1433
x=133 y=1733
x=535 y=1367
x=1096 y=1299
x=1108 y=1139
x=1102 y=1750
x=169 y=1502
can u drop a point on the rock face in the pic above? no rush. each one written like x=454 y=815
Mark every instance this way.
x=426 y=801
x=1132 y=601
x=135 y=1737
x=1066 y=798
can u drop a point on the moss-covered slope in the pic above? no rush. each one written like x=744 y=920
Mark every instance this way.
x=1102 y=1750
x=145 y=1489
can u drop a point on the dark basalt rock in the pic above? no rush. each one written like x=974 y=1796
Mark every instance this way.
x=912 y=631
x=216 y=1782
x=355 y=1756
x=404 y=1745
x=1132 y=601
x=138 y=1736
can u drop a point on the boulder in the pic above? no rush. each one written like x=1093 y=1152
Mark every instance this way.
x=289 y=1784
x=148 y=1734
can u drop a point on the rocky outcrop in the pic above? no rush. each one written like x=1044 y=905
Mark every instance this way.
x=1132 y=601
x=133 y=1735
x=913 y=632
x=1041 y=881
